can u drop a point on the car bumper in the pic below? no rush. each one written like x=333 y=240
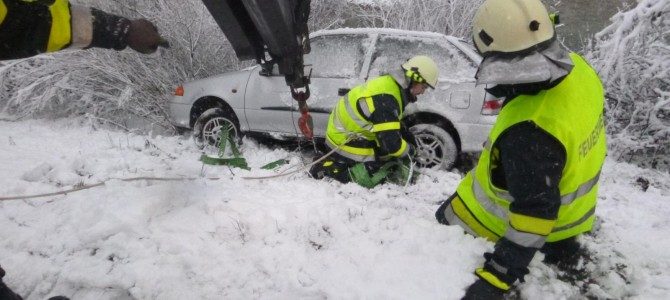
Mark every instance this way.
x=180 y=114
x=476 y=136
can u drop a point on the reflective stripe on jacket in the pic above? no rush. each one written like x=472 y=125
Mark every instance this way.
x=349 y=127
x=572 y=112
x=33 y=27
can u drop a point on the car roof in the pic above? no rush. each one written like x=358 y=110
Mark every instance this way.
x=400 y=32
x=389 y=31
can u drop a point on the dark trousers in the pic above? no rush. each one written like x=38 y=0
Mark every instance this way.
x=335 y=169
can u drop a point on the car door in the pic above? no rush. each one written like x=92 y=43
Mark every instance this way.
x=268 y=103
x=336 y=63
x=454 y=94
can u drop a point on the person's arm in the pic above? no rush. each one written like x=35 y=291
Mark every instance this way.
x=33 y=27
x=532 y=164
x=383 y=114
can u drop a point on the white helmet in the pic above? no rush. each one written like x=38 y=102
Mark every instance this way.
x=510 y=26
x=421 y=69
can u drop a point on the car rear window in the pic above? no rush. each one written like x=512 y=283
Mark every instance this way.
x=392 y=51
x=336 y=56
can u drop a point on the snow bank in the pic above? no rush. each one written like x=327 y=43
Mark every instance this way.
x=285 y=238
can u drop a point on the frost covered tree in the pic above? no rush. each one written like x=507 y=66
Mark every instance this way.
x=452 y=17
x=632 y=56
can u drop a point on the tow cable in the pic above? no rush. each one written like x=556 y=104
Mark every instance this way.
x=204 y=158
x=409 y=173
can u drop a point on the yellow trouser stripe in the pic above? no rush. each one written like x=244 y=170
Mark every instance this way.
x=464 y=214
x=385 y=126
x=531 y=224
x=400 y=153
x=3 y=11
x=346 y=151
x=358 y=151
x=61 y=33
x=492 y=279
x=402 y=150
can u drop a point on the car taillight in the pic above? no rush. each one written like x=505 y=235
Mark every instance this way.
x=491 y=106
x=179 y=91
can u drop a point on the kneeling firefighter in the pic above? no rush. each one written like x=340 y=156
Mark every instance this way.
x=364 y=128
x=536 y=183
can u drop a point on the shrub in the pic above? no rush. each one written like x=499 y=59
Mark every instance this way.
x=632 y=57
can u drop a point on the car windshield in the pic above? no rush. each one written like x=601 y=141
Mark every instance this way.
x=392 y=51
x=336 y=56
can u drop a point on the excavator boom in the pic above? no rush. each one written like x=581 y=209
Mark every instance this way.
x=269 y=31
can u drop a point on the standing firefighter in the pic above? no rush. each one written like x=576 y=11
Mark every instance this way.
x=535 y=185
x=31 y=27
x=364 y=127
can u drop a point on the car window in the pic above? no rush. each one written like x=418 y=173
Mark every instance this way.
x=336 y=56
x=392 y=51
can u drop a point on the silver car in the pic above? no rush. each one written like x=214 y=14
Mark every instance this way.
x=455 y=117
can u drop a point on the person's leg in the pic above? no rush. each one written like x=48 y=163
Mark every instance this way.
x=565 y=252
x=317 y=171
x=331 y=168
x=339 y=171
x=570 y=257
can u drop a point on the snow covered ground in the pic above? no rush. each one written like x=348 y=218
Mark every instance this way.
x=286 y=238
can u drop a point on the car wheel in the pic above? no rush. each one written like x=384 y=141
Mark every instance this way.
x=210 y=123
x=435 y=147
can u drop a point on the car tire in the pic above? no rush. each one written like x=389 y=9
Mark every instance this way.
x=435 y=147
x=210 y=123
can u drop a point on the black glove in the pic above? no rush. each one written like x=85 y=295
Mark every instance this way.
x=482 y=290
x=115 y=32
x=143 y=37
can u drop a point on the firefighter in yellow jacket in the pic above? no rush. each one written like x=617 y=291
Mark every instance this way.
x=364 y=127
x=535 y=185
x=31 y=27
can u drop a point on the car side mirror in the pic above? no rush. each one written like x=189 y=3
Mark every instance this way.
x=342 y=91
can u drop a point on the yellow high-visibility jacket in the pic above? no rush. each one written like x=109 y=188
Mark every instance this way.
x=29 y=27
x=571 y=112
x=350 y=129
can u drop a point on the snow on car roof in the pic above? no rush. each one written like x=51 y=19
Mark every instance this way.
x=405 y=34
x=397 y=32
x=391 y=31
